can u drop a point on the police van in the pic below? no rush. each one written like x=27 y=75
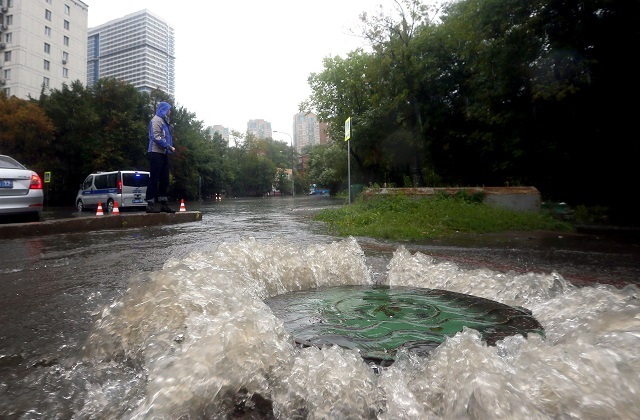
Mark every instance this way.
x=128 y=188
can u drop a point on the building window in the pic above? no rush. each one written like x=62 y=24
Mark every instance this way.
x=66 y=24
x=47 y=64
x=45 y=81
x=7 y=74
x=49 y=1
x=47 y=14
x=7 y=56
x=65 y=57
x=65 y=72
x=9 y=20
x=66 y=40
x=9 y=3
x=8 y=37
x=67 y=9
x=47 y=31
x=47 y=48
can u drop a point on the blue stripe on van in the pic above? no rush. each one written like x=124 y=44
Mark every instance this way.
x=104 y=191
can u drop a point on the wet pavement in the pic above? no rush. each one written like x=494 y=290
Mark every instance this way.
x=170 y=321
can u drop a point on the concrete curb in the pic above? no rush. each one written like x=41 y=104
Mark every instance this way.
x=92 y=223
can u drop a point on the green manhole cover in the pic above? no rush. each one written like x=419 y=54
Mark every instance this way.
x=380 y=320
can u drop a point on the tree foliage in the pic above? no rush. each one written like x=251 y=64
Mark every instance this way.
x=479 y=92
x=493 y=93
x=24 y=130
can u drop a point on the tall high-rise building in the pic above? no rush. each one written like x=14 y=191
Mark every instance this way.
x=43 y=45
x=138 y=48
x=260 y=128
x=223 y=131
x=306 y=130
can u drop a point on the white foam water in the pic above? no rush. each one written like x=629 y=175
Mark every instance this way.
x=195 y=338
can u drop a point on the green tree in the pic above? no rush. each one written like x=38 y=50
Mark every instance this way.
x=344 y=90
x=25 y=132
x=398 y=84
x=328 y=167
x=122 y=120
x=76 y=150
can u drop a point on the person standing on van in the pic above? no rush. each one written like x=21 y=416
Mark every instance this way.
x=160 y=147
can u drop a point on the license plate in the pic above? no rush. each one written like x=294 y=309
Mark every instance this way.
x=136 y=201
x=137 y=191
x=6 y=183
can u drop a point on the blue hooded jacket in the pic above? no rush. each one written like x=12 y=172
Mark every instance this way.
x=160 y=139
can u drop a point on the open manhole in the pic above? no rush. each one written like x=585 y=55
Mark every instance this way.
x=380 y=320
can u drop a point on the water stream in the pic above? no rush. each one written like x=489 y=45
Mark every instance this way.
x=193 y=337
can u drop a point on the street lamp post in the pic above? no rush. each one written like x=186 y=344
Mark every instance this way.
x=293 y=186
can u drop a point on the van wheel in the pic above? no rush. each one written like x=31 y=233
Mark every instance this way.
x=109 y=208
x=80 y=206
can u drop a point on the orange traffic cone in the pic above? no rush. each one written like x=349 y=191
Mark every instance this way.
x=182 y=207
x=116 y=210
x=99 y=212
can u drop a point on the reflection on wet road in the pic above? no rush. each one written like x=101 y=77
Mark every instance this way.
x=171 y=321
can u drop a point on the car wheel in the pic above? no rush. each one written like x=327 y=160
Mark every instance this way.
x=80 y=206
x=109 y=208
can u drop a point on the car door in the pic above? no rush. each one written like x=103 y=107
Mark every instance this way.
x=103 y=188
x=89 y=198
x=134 y=188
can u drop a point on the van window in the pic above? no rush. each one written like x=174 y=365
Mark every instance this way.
x=87 y=182
x=105 y=181
x=112 y=180
x=101 y=182
x=135 y=180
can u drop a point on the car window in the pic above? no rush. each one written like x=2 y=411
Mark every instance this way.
x=112 y=180
x=87 y=182
x=101 y=182
x=7 y=162
x=135 y=179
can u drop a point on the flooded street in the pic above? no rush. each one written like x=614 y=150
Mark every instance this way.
x=169 y=322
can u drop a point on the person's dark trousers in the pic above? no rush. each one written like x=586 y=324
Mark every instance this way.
x=159 y=178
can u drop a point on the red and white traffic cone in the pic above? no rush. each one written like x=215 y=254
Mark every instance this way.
x=99 y=212
x=115 y=210
x=182 y=207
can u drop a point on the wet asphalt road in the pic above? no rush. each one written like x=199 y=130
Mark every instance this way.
x=608 y=255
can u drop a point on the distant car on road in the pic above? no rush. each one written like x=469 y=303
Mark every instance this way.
x=128 y=188
x=20 y=190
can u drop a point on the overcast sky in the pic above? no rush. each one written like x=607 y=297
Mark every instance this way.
x=238 y=60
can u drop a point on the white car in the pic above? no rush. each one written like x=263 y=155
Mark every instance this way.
x=20 y=190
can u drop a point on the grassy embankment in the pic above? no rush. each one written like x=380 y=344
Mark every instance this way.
x=405 y=218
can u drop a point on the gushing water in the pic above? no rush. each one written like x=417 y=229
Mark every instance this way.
x=196 y=340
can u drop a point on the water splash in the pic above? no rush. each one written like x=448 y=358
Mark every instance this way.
x=197 y=340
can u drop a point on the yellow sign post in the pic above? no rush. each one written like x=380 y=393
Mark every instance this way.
x=347 y=129
x=347 y=136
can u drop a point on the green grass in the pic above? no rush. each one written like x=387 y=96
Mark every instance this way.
x=405 y=218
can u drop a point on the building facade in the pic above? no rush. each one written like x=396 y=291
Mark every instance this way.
x=223 y=131
x=138 y=49
x=306 y=130
x=260 y=128
x=43 y=45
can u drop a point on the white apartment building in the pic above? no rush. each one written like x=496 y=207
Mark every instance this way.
x=43 y=44
x=223 y=131
x=260 y=128
x=138 y=48
x=306 y=130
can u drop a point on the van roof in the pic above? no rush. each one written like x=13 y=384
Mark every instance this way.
x=112 y=172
